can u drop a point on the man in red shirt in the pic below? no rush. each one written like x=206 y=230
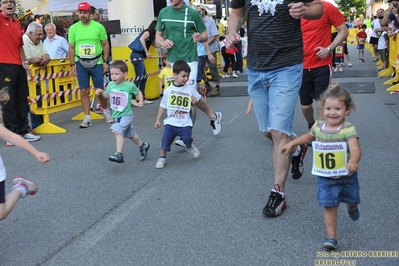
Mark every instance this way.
x=13 y=68
x=318 y=48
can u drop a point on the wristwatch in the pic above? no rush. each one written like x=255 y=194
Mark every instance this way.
x=26 y=62
x=106 y=61
x=329 y=50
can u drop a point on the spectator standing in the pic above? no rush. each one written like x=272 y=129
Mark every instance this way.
x=39 y=18
x=383 y=42
x=220 y=26
x=180 y=38
x=274 y=76
x=391 y=14
x=88 y=42
x=376 y=28
x=229 y=59
x=56 y=46
x=317 y=58
x=210 y=59
x=13 y=73
x=147 y=38
x=37 y=55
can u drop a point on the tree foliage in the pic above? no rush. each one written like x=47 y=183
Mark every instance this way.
x=345 y=6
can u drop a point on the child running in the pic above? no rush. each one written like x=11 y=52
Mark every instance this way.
x=120 y=92
x=177 y=100
x=336 y=154
x=21 y=186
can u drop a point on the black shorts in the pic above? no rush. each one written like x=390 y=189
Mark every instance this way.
x=314 y=82
x=374 y=40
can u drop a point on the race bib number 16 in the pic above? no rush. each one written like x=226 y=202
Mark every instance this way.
x=329 y=159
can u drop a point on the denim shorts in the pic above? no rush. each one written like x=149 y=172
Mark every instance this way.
x=123 y=125
x=330 y=192
x=84 y=74
x=274 y=94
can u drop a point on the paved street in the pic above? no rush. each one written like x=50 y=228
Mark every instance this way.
x=205 y=211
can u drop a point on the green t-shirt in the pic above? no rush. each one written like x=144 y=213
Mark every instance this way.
x=87 y=39
x=120 y=97
x=179 y=26
x=367 y=22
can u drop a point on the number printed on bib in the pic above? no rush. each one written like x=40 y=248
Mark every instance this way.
x=118 y=100
x=362 y=40
x=329 y=159
x=179 y=101
x=87 y=51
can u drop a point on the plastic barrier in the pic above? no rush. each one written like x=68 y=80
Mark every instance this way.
x=393 y=65
x=54 y=89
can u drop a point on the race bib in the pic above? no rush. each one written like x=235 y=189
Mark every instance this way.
x=118 y=100
x=362 y=40
x=169 y=81
x=87 y=51
x=339 y=49
x=179 y=101
x=329 y=159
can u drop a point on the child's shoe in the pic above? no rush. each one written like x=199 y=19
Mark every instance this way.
x=31 y=187
x=340 y=69
x=143 y=151
x=194 y=151
x=336 y=69
x=160 y=163
x=330 y=243
x=355 y=214
x=116 y=157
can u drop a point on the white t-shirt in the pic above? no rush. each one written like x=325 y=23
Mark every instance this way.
x=177 y=101
x=2 y=170
x=382 y=43
x=375 y=24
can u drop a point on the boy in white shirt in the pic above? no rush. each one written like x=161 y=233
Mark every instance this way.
x=177 y=100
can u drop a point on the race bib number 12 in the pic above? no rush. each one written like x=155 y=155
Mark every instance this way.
x=329 y=159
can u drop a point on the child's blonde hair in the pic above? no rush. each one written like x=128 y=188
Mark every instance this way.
x=338 y=92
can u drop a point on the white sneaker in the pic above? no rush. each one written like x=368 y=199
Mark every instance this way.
x=29 y=137
x=108 y=117
x=180 y=143
x=147 y=102
x=340 y=69
x=235 y=75
x=225 y=76
x=194 y=151
x=335 y=69
x=160 y=163
x=350 y=64
x=216 y=124
x=86 y=123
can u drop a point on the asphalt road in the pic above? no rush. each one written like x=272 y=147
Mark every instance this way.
x=205 y=211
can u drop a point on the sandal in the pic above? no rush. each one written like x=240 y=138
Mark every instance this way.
x=354 y=215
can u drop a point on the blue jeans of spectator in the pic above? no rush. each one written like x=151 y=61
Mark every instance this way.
x=140 y=71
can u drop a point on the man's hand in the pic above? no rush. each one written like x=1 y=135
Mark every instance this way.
x=297 y=10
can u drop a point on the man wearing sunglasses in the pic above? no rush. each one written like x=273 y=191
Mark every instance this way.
x=13 y=69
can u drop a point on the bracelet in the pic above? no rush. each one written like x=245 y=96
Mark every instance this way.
x=72 y=65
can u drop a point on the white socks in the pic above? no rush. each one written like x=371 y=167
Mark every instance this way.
x=21 y=189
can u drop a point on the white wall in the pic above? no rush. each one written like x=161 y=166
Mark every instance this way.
x=31 y=4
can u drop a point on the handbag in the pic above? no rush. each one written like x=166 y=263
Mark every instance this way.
x=136 y=45
x=89 y=63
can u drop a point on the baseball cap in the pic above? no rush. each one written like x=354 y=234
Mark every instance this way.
x=84 y=6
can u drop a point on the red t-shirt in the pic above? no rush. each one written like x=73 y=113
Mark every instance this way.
x=318 y=33
x=361 y=37
x=11 y=41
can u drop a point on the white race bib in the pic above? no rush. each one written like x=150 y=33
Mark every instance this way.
x=118 y=100
x=329 y=159
x=179 y=101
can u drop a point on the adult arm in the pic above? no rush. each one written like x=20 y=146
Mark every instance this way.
x=71 y=55
x=106 y=49
x=25 y=62
x=143 y=37
x=309 y=10
x=234 y=24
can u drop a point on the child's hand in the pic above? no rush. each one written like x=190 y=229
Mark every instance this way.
x=42 y=157
x=351 y=167
x=193 y=100
x=140 y=104
x=98 y=92
x=157 y=124
x=286 y=149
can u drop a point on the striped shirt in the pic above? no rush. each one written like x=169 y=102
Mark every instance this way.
x=274 y=41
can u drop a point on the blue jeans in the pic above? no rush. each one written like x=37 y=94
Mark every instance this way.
x=274 y=94
x=139 y=69
x=330 y=192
